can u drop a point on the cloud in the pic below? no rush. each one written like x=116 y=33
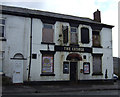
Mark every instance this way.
x=81 y=8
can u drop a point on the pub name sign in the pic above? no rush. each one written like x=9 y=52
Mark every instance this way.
x=73 y=49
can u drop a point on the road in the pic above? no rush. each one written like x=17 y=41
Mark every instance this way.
x=101 y=93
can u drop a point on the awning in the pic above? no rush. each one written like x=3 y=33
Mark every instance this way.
x=74 y=56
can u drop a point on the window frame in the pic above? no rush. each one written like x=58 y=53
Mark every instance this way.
x=97 y=33
x=101 y=57
x=65 y=34
x=3 y=29
x=83 y=42
x=48 y=53
x=2 y=55
x=84 y=68
x=66 y=62
x=72 y=32
x=44 y=41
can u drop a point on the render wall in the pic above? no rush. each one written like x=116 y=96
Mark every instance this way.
x=17 y=31
x=60 y=57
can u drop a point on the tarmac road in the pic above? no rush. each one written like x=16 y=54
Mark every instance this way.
x=101 y=93
x=105 y=90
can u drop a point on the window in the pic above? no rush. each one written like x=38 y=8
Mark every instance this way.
x=47 y=33
x=2 y=26
x=65 y=34
x=65 y=67
x=85 y=35
x=96 y=38
x=74 y=35
x=47 y=64
x=97 y=64
x=2 y=55
x=86 y=67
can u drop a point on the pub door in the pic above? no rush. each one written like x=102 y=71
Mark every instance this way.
x=73 y=71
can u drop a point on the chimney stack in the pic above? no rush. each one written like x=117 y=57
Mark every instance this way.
x=97 y=16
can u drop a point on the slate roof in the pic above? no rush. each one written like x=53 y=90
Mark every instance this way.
x=34 y=13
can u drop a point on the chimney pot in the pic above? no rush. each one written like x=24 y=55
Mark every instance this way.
x=97 y=16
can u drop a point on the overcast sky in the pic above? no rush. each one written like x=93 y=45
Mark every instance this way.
x=81 y=8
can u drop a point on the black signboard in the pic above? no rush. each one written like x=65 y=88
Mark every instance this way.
x=73 y=49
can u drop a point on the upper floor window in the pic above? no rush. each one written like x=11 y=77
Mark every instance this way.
x=47 y=33
x=65 y=34
x=2 y=27
x=96 y=38
x=84 y=35
x=74 y=35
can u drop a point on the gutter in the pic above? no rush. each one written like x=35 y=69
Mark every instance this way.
x=30 y=51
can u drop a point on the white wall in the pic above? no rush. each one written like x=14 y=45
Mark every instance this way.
x=18 y=41
x=17 y=30
x=61 y=56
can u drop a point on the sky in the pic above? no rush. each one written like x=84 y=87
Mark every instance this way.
x=81 y=8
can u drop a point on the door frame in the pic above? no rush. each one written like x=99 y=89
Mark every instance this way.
x=76 y=77
x=18 y=71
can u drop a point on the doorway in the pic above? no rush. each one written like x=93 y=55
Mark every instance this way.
x=18 y=68
x=73 y=71
x=18 y=71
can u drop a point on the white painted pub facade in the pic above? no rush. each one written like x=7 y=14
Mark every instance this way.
x=45 y=46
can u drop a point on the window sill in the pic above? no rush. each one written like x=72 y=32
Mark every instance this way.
x=3 y=39
x=97 y=46
x=47 y=74
x=85 y=43
x=74 y=45
x=47 y=43
x=94 y=74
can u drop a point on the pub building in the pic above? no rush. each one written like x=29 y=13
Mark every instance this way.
x=45 y=46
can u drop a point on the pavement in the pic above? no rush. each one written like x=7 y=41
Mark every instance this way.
x=22 y=89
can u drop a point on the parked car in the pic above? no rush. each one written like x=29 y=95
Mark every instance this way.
x=115 y=77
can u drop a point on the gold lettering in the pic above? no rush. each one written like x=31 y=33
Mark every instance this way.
x=67 y=48
x=73 y=49
x=82 y=49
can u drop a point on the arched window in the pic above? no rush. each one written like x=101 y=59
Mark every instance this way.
x=18 y=56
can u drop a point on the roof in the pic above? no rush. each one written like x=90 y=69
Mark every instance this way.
x=35 y=13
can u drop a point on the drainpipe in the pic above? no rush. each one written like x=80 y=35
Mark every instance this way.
x=30 y=51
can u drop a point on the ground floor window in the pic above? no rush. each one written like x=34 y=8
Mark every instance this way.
x=86 y=68
x=47 y=67
x=47 y=63
x=65 y=67
x=97 y=64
